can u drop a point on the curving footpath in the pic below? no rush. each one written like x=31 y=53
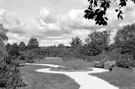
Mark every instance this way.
x=85 y=80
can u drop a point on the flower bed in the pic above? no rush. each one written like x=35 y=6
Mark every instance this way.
x=71 y=69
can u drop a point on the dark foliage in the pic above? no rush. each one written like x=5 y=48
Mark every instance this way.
x=96 y=43
x=76 y=42
x=33 y=43
x=97 y=10
x=125 y=39
x=10 y=77
x=125 y=63
x=13 y=51
x=22 y=46
x=61 y=46
x=8 y=46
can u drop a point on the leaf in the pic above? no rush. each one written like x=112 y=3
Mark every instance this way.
x=86 y=11
x=116 y=10
x=106 y=18
x=121 y=17
x=95 y=2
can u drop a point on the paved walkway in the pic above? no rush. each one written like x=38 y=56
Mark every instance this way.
x=85 y=80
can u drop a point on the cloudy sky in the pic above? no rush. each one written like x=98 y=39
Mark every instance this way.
x=54 y=21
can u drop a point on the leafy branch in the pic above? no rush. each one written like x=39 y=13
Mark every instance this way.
x=97 y=10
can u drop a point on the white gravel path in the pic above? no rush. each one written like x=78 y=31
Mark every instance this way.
x=85 y=80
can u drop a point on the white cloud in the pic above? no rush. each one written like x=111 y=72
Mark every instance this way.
x=75 y=20
x=47 y=16
x=9 y=19
x=1 y=0
x=52 y=29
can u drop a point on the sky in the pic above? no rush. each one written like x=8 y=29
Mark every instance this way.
x=54 y=22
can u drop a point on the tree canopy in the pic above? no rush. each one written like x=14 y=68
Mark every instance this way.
x=22 y=46
x=97 y=42
x=76 y=42
x=125 y=34
x=125 y=39
x=33 y=43
x=13 y=51
x=97 y=10
x=101 y=38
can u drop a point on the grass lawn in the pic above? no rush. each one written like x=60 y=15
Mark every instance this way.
x=37 y=80
x=122 y=78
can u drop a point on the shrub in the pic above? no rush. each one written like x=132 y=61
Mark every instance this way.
x=124 y=63
x=99 y=65
x=104 y=56
x=133 y=63
x=10 y=77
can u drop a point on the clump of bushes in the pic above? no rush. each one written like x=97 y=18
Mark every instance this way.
x=125 y=61
x=133 y=63
x=10 y=77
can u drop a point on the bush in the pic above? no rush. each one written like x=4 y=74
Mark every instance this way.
x=133 y=63
x=104 y=56
x=10 y=77
x=99 y=65
x=124 y=63
x=124 y=60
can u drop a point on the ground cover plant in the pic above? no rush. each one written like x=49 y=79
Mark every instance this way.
x=71 y=69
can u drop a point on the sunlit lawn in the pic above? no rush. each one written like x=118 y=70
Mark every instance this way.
x=120 y=77
x=35 y=80
x=123 y=78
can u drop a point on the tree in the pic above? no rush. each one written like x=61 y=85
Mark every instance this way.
x=97 y=42
x=22 y=46
x=125 y=39
x=33 y=43
x=127 y=33
x=3 y=54
x=76 y=42
x=97 y=10
x=8 y=46
x=100 y=38
x=61 y=46
x=9 y=74
x=13 y=51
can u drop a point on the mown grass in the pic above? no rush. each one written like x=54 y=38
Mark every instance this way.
x=35 y=80
x=120 y=77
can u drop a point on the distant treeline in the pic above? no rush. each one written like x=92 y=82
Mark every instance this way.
x=96 y=47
